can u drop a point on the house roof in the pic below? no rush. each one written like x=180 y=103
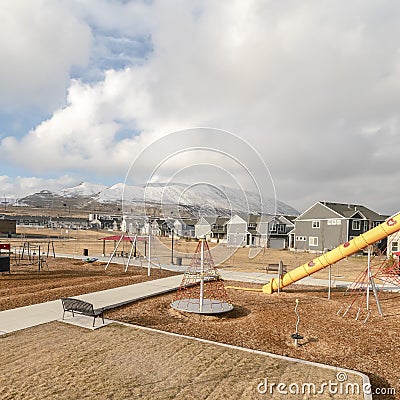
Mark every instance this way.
x=290 y=218
x=349 y=210
x=209 y=220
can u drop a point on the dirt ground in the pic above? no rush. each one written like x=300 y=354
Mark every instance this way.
x=62 y=277
x=243 y=259
x=258 y=321
x=266 y=323
x=60 y=361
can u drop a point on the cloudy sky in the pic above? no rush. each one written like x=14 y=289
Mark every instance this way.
x=312 y=86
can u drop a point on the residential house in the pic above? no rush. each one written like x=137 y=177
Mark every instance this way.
x=257 y=229
x=219 y=229
x=280 y=230
x=203 y=227
x=236 y=232
x=185 y=228
x=326 y=225
x=155 y=227
x=110 y=222
x=132 y=224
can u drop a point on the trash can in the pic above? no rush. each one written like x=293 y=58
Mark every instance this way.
x=85 y=252
x=178 y=260
x=4 y=263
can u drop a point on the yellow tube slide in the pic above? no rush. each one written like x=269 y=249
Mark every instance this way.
x=381 y=231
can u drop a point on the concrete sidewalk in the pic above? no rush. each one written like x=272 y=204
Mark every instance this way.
x=25 y=317
x=260 y=278
x=37 y=314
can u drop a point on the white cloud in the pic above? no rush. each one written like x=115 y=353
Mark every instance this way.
x=313 y=87
x=17 y=187
x=41 y=41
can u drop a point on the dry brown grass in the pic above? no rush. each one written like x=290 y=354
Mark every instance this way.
x=266 y=322
x=63 y=278
x=75 y=241
x=59 y=361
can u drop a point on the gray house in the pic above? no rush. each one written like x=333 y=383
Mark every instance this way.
x=280 y=230
x=213 y=228
x=259 y=231
x=185 y=227
x=236 y=231
x=203 y=227
x=218 y=229
x=326 y=225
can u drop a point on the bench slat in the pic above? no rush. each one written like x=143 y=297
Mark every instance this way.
x=81 y=307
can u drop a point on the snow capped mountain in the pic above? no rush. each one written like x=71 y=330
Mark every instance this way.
x=196 y=199
x=83 y=189
x=196 y=196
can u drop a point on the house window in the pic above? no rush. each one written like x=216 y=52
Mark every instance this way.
x=356 y=225
x=315 y=224
x=281 y=228
x=301 y=238
x=252 y=226
x=313 y=241
x=365 y=225
x=338 y=222
x=272 y=227
x=395 y=247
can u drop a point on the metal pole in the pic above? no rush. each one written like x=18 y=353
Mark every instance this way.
x=330 y=282
x=201 y=275
x=39 y=259
x=130 y=253
x=149 y=258
x=280 y=270
x=172 y=246
x=297 y=322
x=376 y=297
x=368 y=275
x=113 y=253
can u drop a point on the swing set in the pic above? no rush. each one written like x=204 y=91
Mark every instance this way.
x=35 y=253
x=134 y=251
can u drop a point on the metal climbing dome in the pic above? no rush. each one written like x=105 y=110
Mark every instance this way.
x=202 y=289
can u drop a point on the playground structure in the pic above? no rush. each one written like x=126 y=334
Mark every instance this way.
x=346 y=249
x=202 y=290
x=35 y=252
x=134 y=250
x=380 y=270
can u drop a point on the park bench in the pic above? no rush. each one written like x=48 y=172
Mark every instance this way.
x=275 y=268
x=81 y=307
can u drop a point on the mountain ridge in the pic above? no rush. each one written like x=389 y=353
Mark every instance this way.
x=196 y=197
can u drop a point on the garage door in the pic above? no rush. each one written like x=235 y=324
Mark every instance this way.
x=277 y=243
